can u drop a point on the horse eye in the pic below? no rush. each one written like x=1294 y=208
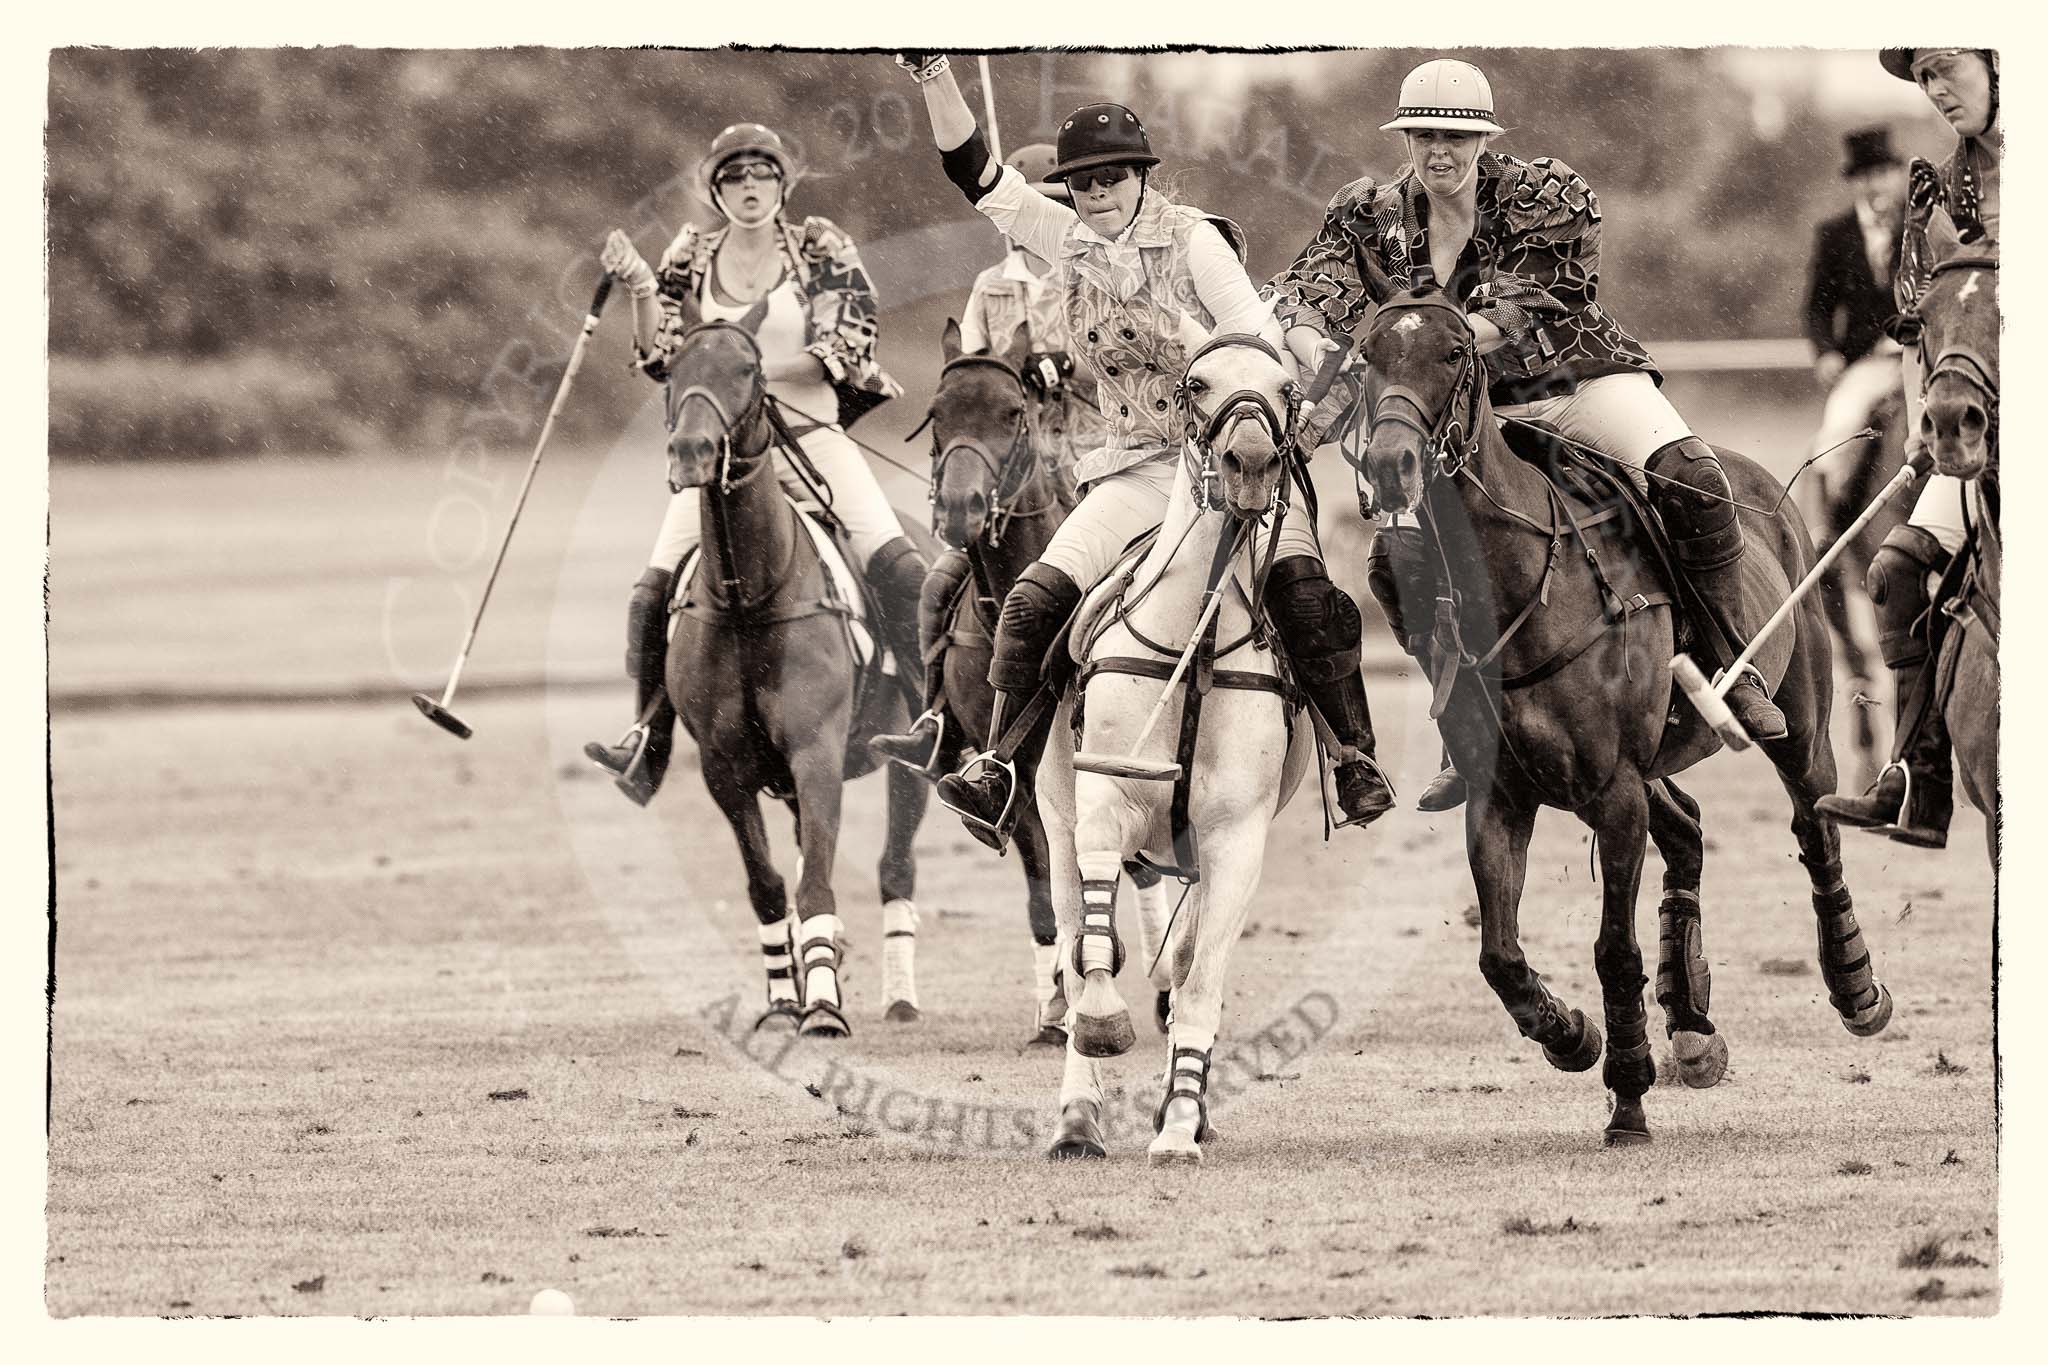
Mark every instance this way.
x=1197 y=386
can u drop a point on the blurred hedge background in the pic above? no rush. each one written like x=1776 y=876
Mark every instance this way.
x=309 y=251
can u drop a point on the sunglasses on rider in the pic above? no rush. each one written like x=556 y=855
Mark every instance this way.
x=747 y=171
x=1106 y=176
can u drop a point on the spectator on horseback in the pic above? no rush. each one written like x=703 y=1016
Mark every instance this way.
x=1913 y=797
x=1524 y=236
x=1064 y=420
x=1849 y=291
x=817 y=340
x=1131 y=264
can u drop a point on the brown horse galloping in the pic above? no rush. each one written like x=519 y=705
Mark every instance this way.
x=762 y=674
x=1563 y=697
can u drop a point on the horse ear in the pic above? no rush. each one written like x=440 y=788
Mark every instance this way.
x=691 y=314
x=949 y=340
x=1379 y=285
x=1193 y=336
x=750 y=322
x=1019 y=349
x=1943 y=238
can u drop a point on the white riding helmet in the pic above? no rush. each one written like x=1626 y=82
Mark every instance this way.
x=1448 y=94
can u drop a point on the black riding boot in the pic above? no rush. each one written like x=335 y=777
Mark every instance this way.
x=932 y=744
x=1404 y=585
x=895 y=577
x=985 y=793
x=1318 y=622
x=640 y=759
x=1692 y=494
x=1914 y=796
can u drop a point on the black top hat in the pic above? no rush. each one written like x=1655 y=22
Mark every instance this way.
x=1869 y=148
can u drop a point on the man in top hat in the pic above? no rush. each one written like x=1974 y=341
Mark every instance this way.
x=1849 y=289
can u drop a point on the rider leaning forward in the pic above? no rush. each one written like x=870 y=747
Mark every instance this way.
x=817 y=339
x=1130 y=263
x=1523 y=238
x=1913 y=797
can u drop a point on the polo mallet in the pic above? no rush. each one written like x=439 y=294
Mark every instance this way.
x=988 y=105
x=1149 y=769
x=437 y=711
x=1709 y=699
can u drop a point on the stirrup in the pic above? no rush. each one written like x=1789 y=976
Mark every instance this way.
x=1393 y=797
x=634 y=740
x=930 y=769
x=997 y=835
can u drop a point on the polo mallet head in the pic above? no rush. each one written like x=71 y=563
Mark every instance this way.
x=1125 y=765
x=440 y=715
x=1709 y=702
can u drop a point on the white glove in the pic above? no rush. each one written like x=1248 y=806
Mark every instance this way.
x=923 y=66
x=624 y=263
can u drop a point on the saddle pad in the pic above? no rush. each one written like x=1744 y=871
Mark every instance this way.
x=1104 y=593
x=845 y=586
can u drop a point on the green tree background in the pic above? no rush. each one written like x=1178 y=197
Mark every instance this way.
x=338 y=249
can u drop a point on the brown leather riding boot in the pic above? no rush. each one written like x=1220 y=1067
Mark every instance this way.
x=640 y=758
x=1913 y=799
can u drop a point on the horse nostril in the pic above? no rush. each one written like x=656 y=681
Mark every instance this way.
x=1409 y=464
x=1974 y=421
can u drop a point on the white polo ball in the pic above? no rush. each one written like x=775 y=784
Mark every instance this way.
x=552 y=1303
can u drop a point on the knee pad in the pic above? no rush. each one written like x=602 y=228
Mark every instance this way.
x=941 y=589
x=1033 y=615
x=647 y=620
x=1398 y=573
x=898 y=565
x=1693 y=495
x=1897 y=582
x=1316 y=618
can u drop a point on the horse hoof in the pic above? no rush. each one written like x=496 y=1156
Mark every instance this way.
x=779 y=1013
x=1702 y=1058
x=1079 y=1135
x=1863 y=1023
x=1048 y=1035
x=1625 y=1137
x=902 y=1012
x=1106 y=1035
x=1585 y=1054
x=1174 y=1149
x=824 y=1021
x=1162 y=1010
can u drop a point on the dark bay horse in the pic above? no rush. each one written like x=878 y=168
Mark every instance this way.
x=1564 y=698
x=762 y=673
x=1959 y=322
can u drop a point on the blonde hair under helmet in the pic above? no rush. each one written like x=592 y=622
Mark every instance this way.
x=1447 y=94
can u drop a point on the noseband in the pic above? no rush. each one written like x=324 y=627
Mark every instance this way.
x=1201 y=430
x=728 y=422
x=1451 y=437
x=1964 y=363
x=1007 y=475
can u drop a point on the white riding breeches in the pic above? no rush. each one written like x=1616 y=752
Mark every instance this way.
x=1861 y=387
x=1623 y=415
x=857 y=501
x=1939 y=511
x=1119 y=507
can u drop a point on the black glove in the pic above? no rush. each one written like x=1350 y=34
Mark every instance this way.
x=1923 y=190
x=1046 y=373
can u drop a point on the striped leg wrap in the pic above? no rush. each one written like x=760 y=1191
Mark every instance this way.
x=775 y=957
x=820 y=937
x=1187 y=1078
x=1096 y=947
x=1844 y=959
x=1683 y=981
x=899 y=951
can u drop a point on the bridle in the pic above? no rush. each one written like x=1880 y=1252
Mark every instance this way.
x=1007 y=476
x=1964 y=363
x=747 y=466
x=1201 y=430
x=1451 y=438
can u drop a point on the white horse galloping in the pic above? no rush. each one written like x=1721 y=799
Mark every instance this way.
x=1248 y=756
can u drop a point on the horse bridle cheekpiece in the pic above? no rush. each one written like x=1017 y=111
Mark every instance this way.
x=1451 y=437
x=1964 y=363
x=728 y=422
x=1008 y=474
x=1200 y=431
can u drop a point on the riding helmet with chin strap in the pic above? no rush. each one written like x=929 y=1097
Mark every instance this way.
x=1101 y=135
x=744 y=139
x=1900 y=61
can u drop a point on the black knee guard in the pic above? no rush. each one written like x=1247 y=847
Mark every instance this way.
x=647 y=622
x=1692 y=494
x=898 y=570
x=1316 y=618
x=1033 y=615
x=1397 y=570
x=941 y=591
x=1897 y=582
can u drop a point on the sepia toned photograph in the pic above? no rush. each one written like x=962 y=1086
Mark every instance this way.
x=779 y=681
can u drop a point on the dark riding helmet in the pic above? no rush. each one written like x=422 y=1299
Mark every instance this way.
x=1900 y=61
x=1101 y=135
x=745 y=139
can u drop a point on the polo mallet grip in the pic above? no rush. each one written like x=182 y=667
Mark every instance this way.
x=1319 y=387
x=604 y=289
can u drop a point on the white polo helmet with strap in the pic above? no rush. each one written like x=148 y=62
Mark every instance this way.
x=1448 y=94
